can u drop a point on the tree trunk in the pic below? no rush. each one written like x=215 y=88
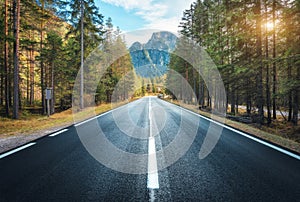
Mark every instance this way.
x=82 y=54
x=249 y=104
x=27 y=76
x=274 y=63
x=42 y=61
x=53 y=89
x=260 y=98
x=295 y=107
x=200 y=96
x=186 y=100
x=268 y=93
x=6 y=82
x=194 y=85
x=11 y=63
x=31 y=97
x=290 y=102
x=237 y=102
x=16 y=20
x=2 y=80
x=232 y=100
x=296 y=98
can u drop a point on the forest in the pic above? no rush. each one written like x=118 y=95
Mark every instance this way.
x=256 y=48
x=255 y=45
x=40 y=48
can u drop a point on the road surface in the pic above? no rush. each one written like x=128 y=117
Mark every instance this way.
x=59 y=167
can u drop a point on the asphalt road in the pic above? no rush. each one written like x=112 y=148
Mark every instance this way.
x=60 y=168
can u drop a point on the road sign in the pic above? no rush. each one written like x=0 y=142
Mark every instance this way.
x=48 y=93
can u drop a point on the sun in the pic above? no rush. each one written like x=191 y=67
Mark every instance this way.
x=269 y=25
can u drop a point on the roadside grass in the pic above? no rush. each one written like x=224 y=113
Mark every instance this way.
x=31 y=123
x=279 y=133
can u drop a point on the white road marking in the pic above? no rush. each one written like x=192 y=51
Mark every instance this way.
x=245 y=135
x=83 y=122
x=16 y=150
x=152 y=182
x=152 y=195
x=57 y=133
x=150 y=118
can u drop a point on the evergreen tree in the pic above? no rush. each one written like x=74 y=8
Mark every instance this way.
x=16 y=28
x=239 y=38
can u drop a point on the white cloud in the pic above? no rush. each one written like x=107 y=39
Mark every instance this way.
x=167 y=24
x=162 y=15
x=127 y=4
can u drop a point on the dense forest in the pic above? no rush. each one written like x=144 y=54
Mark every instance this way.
x=41 y=48
x=256 y=47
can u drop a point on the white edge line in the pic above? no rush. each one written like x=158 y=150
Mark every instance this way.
x=17 y=149
x=244 y=134
x=57 y=133
x=83 y=122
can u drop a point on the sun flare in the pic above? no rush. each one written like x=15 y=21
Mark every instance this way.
x=269 y=25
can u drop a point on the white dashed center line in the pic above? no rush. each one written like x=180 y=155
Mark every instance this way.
x=152 y=182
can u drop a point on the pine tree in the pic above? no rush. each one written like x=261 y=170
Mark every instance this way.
x=16 y=20
x=6 y=52
x=52 y=51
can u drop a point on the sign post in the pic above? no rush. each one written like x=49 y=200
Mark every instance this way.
x=48 y=93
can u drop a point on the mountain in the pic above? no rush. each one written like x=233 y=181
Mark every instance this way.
x=152 y=59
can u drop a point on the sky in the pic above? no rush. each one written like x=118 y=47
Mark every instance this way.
x=133 y=15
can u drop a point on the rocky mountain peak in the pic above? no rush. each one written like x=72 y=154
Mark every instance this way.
x=152 y=59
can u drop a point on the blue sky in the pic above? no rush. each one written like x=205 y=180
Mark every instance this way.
x=127 y=21
x=131 y=15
